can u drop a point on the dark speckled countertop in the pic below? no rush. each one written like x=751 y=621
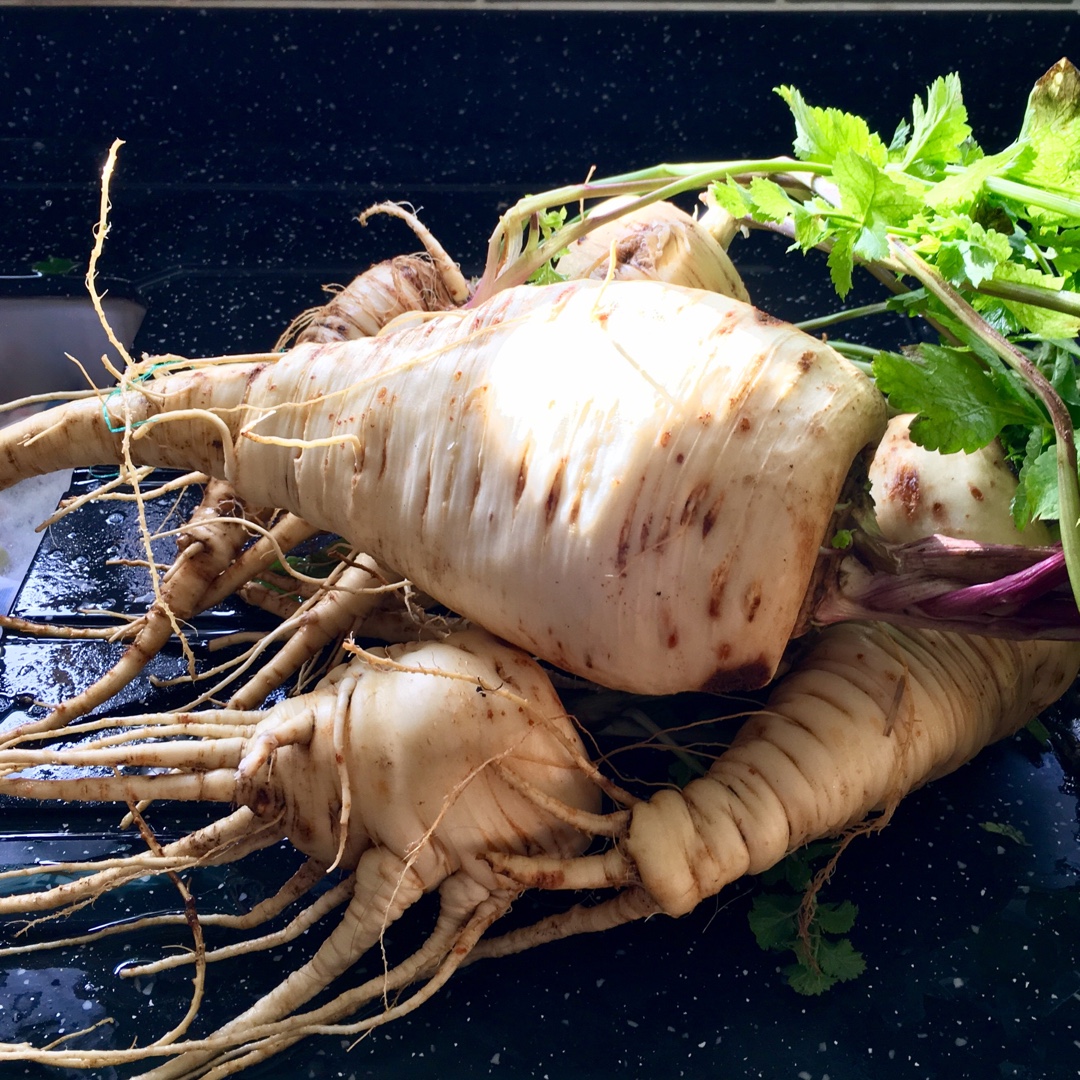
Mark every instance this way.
x=253 y=138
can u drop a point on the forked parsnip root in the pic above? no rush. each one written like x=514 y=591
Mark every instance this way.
x=589 y=470
x=402 y=768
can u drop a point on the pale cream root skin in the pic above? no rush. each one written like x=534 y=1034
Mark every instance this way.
x=577 y=468
x=657 y=242
x=404 y=768
x=918 y=492
x=830 y=748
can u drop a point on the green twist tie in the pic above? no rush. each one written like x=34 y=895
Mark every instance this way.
x=116 y=429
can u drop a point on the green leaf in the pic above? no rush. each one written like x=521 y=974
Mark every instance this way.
x=821 y=134
x=939 y=130
x=960 y=405
x=832 y=962
x=840 y=960
x=836 y=918
x=1011 y=832
x=968 y=253
x=961 y=191
x=808 y=981
x=1051 y=128
x=1032 y=317
x=771 y=201
x=1036 y=497
x=841 y=263
x=772 y=919
x=842 y=539
x=811 y=227
x=54 y=266
x=731 y=197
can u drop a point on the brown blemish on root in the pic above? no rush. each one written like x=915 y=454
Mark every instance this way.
x=749 y=676
x=693 y=501
x=717 y=584
x=752 y=600
x=622 y=550
x=806 y=361
x=551 y=504
x=522 y=477
x=710 y=517
x=904 y=488
x=976 y=493
x=646 y=528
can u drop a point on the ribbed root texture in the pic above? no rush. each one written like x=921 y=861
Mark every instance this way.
x=373 y=299
x=871 y=713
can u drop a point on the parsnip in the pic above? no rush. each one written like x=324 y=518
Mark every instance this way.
x=589 y=470
x=656 y=242
x=867 y=715
x=402 y=768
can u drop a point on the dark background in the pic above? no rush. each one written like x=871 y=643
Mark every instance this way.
x=253 y=138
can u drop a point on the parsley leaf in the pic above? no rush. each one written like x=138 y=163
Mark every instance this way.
x=939 y=130
x=961 y=404
x=822 y=134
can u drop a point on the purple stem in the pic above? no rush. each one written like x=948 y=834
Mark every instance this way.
x=994 y=590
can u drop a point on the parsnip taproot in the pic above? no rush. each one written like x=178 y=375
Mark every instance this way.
x=402 y=768
x=589 y=470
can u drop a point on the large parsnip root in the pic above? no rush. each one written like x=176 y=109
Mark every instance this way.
x=403 y=768
x=589 y=470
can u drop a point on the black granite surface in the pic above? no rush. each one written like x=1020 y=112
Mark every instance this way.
x=254 y=137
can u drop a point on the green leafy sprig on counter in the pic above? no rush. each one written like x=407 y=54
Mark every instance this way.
x=781 y=922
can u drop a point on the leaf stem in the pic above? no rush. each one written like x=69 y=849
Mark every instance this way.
x=1068 y=480
x=842 y=316
x=1033 y=196
x=1054 y=300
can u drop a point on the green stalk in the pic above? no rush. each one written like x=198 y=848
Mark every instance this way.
x=1068 y=480
x=1052 y=299
x=844 y=315
x=1033 y=196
